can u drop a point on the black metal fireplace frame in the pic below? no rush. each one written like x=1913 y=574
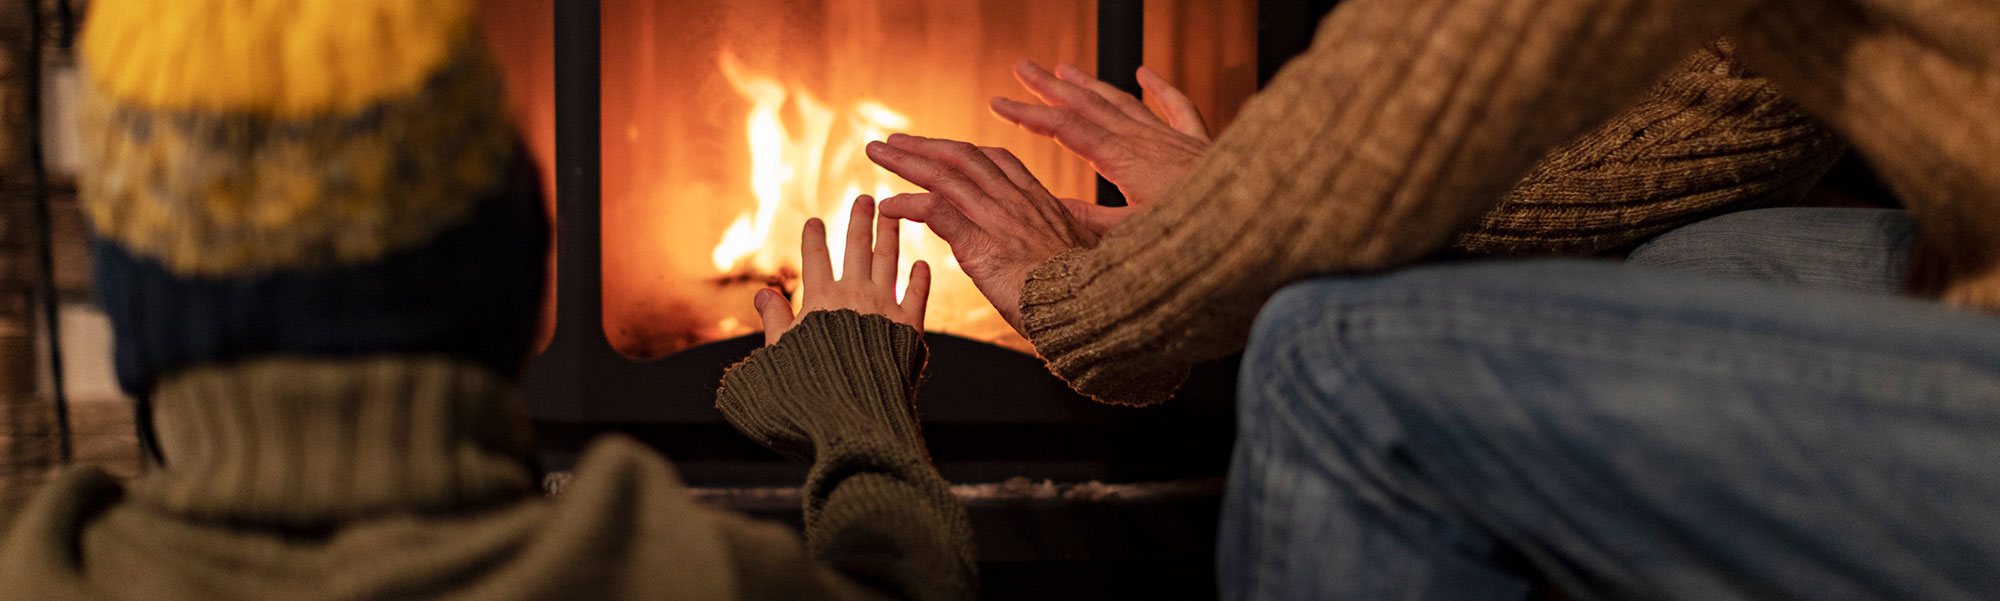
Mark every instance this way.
x=990 y=412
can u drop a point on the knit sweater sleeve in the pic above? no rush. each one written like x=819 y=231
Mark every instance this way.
x=1405 y=121
x=1710 y=138
x=838 y=391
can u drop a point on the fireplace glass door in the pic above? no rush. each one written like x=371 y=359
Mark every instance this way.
x=727 y=124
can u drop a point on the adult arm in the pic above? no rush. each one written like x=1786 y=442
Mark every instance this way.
x=1403 y=124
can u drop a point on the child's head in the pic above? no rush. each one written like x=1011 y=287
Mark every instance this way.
x=305 y=178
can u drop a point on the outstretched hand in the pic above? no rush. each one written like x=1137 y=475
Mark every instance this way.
x=999 y=221
x=867 y=282
x=1115 y=132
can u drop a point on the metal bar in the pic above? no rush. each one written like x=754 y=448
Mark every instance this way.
x=555 y=382
x=1121 y=48
x=51 y=308
x=1285 y=29
x=578 y=164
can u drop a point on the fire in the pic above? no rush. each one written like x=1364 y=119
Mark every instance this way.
x=812 y=165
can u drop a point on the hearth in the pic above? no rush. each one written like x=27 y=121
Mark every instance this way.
x=692 y=137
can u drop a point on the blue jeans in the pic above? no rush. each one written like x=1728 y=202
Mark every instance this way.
x=1465 y=431
x=1857 y=249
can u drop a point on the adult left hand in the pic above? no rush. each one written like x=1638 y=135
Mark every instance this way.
x=1126 y=143
x=999 y=220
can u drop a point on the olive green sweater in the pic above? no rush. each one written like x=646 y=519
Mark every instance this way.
x=1408 y=120
x=404 y=477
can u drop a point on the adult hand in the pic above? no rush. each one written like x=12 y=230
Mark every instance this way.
x=999 y=221
x=867 y=281
x=1126 y=143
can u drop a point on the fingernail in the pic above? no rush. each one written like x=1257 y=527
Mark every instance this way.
x=1068 y=70
x=1148 y=71
x=762 y=298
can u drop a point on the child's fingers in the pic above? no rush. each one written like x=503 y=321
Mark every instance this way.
x=855 y=265
x=887 y=253
x=776 y=313
x=817 y=270
x=917 y=294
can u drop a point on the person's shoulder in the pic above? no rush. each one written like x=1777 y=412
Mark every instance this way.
x=39 y=526
x=623 y=490
x=71 y=497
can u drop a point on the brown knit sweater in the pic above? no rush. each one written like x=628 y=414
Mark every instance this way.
x=1409 y=119
x=402 y=477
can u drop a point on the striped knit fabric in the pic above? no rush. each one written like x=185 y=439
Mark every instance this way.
x=305 y=178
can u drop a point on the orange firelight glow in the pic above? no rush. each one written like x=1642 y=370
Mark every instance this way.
x=726 y=124
x=815 y=168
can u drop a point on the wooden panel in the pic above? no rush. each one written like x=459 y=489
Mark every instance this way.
x=19 y=269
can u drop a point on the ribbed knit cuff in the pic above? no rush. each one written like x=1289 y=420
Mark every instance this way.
x=1059 y=325
x=836 y=376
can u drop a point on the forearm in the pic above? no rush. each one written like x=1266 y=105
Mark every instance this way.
x=1709 y=138
x=1406 y=121
x=838 y=391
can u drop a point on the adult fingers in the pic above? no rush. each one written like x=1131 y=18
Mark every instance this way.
x=964 y=158
x=776 y=313
x=1011 y=165
x=1054 y=90
x=917 y=294
x=858 y=254
x=1181 y=112
x=937 y=176
x=1082 y=137
x=928 y=209
x=1122 y=100
x=817 y=269
x=1022 y=179
x=887 y=250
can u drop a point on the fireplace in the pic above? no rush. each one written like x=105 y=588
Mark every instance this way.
x=691 y=138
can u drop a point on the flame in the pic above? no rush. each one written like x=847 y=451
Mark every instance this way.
x=812 y=166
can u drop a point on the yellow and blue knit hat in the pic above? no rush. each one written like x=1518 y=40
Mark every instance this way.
x=305 y=177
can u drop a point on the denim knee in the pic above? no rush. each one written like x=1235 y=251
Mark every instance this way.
x=1305 y=367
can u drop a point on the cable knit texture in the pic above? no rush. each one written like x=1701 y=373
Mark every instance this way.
x=839 y=390
x=1709 y=139
x=1408 y=120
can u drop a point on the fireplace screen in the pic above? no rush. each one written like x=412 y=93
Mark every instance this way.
x=727 y=124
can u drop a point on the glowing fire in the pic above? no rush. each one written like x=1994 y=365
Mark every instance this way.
x=812 y=165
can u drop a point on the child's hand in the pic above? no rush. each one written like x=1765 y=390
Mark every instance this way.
x=868 y=284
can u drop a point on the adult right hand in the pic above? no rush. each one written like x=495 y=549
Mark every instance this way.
x=1000 y=222
x=1115 y=132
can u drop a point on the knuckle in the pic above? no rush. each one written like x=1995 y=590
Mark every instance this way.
x=962 y=150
